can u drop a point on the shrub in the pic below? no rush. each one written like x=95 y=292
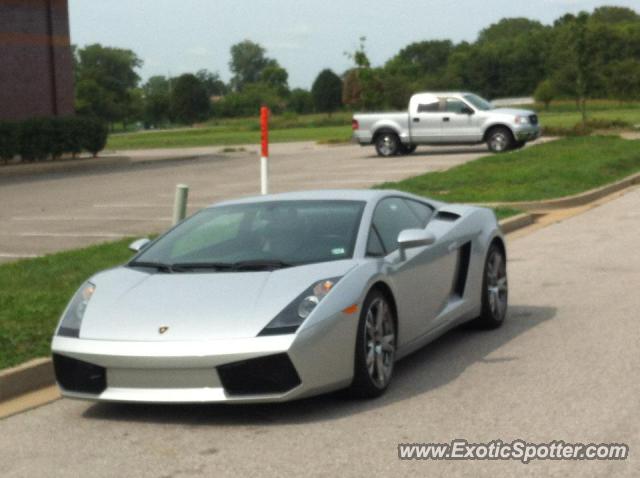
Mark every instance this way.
x=72 y=131
x=8 y=140
x=94 y=135
x=36 y=136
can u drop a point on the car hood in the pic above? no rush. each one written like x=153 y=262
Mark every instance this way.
x=512 y=112
x=133 y=305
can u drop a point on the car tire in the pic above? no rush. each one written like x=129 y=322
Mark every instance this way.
x=406 y=149
x=500 y=140
x=518 y=144
x=495 y=290
x=375 y=347
x=387 y=144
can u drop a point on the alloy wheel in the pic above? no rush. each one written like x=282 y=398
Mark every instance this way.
x=380 y=340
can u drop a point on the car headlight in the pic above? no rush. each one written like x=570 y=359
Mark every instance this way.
x=72 y=319
x=292 y=316
x=522 y=120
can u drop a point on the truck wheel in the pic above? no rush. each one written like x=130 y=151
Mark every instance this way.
x=519 y=144
x=500 y=140
x=387 y=144
x=407 y=148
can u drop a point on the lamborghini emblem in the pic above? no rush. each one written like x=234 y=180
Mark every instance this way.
x=163 y=329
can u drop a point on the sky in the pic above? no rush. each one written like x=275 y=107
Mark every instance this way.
x=305 y=36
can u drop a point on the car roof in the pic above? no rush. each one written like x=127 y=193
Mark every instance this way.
x=366 y=195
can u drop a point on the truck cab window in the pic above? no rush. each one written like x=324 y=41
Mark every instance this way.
x=429 y=107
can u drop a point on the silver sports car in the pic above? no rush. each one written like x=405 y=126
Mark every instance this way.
x=280 y=297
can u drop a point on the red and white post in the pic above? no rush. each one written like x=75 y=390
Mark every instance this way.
x=264 y=156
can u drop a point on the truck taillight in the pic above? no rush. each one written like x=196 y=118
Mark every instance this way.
x=354 y=124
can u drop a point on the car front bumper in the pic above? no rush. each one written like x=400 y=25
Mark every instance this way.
x=527 y=132
x=260 y=369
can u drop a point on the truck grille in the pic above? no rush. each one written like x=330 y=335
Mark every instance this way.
x=533 y=119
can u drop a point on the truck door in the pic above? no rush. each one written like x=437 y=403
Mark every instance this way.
x=425 y=119
x=459 y=123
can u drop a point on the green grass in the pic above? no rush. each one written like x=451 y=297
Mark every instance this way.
x=35 y=292
x=551 y=170
x=224 y=135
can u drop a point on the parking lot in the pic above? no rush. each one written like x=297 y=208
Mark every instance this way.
x=51 y=212
x=564 y=367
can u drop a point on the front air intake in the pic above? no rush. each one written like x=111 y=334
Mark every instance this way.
x=259 y=376
x=77 y=376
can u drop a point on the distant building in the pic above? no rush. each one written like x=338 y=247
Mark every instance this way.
x=36 y=66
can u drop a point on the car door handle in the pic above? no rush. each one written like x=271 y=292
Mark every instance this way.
x=445 y=119
x=416 y=120
x=453 y=246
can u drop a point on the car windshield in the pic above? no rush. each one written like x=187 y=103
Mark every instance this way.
x=258 y=236
x=478 y=102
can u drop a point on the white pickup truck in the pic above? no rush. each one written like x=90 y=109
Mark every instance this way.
x=446 y=118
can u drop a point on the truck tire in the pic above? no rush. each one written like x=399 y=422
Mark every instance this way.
x=519 y=144
x=387 y=144
x=500 y=140
x=407 y=148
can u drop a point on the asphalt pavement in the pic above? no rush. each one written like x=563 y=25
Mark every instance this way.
x=49 y=212
x=565 y=366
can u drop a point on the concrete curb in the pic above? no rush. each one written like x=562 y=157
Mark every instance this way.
x=575 y=200
x=26 y=377
x=516 y=222
x=38 y=373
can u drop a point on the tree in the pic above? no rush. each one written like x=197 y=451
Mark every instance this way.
x=614 y=15
x=157 y=101
x=300 y=101
x=327 y=91
x=624 y=80
x=212 y=83
x=105 y=78
x=247 y=62
x=276 y=77
x=417 y=60
x=545 y=93
x=189 y=100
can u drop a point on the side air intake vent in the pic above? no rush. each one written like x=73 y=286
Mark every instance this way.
x=78 y=376
x=263 y=375
x=447 y=216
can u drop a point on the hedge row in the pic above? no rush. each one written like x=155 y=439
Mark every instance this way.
x=41 y=138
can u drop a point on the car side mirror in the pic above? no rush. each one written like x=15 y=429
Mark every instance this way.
x=139 y=244
x=410 y=238
x=467 y=111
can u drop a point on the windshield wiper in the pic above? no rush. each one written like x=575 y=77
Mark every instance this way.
x=189 y=266
x=266 y=264
x=161 y=267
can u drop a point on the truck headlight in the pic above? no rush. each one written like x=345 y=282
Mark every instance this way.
x=522 y=120
x=72 y=319
x=292 y=316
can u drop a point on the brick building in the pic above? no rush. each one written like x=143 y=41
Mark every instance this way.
x=36 y=66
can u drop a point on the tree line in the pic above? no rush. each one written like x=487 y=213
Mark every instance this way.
x=583 y=56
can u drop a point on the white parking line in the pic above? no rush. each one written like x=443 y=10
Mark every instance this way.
x=143 y=205
x=63 y=234
x=89 y=218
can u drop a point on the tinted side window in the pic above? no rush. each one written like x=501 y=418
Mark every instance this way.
x=374 y=245
x=429 y=108
x=391 y=216
x=422 y=211
x=455 y=106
